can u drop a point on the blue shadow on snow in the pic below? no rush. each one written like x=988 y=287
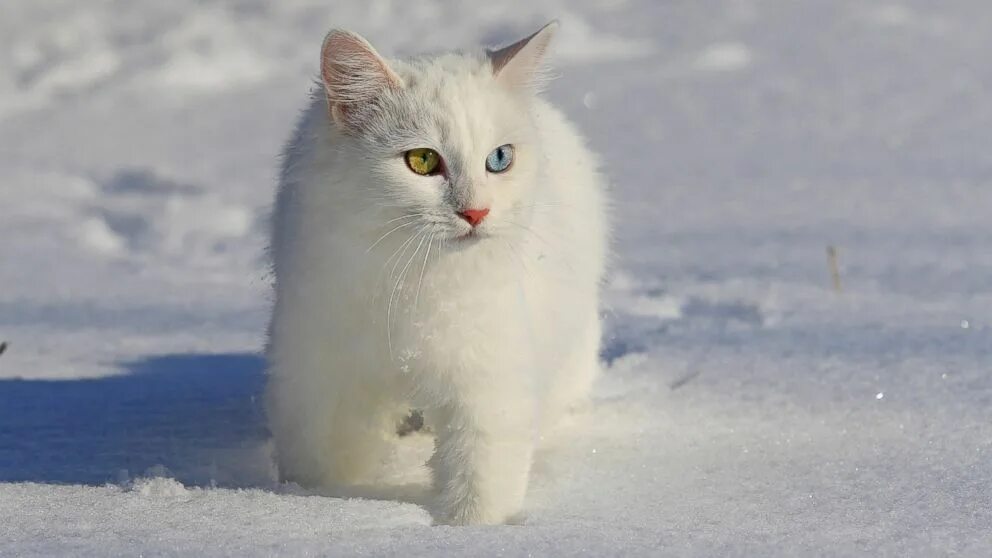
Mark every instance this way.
x=198 y=416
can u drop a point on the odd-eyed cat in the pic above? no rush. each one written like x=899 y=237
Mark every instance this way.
x=439 y=241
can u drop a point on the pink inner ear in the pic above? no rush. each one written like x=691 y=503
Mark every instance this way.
x=352 y=71
x=500 y=58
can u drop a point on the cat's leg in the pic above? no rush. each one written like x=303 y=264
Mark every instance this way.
x=482 y=459
x=336 y=440
x=332 y=426
x=573 y=381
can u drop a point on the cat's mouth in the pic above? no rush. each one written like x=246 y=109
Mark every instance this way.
x=469 y=237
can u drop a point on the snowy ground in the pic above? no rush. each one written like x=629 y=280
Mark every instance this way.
x=748 y=408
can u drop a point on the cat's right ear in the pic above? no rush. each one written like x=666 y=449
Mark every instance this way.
x=354 y=76
x=521 y=63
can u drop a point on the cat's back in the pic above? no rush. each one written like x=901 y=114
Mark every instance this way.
x=296 y=173
x=576 y=206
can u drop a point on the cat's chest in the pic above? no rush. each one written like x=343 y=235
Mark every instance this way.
x=476 y=312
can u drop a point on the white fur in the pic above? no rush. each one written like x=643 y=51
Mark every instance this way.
x=379 y=306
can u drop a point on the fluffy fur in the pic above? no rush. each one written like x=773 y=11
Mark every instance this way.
x=386 y=300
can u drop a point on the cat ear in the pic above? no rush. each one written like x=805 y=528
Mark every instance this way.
x=354 y=76
x=520 y=63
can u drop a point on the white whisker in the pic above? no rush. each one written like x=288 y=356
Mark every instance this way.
x=381 y=238
x=420 y=283
x=398 y=288
x=380 y=278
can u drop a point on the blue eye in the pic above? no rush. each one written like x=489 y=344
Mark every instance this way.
x=500 y=158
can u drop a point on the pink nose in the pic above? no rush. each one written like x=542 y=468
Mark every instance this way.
x=474 y=216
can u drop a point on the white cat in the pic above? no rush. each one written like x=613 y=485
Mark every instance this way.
x=439 y=242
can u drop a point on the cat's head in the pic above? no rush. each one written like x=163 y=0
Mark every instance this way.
x=449 y=143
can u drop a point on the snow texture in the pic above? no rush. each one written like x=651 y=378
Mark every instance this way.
x=748 y=407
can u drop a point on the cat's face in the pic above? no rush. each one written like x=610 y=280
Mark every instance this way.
x=449 y=142
x=454 y=150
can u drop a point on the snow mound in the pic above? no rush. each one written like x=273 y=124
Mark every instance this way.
x=159 y=487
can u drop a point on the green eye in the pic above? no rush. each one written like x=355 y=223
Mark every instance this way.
x=423 y=161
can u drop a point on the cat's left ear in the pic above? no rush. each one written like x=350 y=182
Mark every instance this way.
x=354 y=77
x=520 y=64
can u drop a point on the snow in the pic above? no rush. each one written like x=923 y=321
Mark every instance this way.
x=748 y=408
x=723 y=57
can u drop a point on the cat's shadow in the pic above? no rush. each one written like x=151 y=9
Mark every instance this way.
x=197 y=418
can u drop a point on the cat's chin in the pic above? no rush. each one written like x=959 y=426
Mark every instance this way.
x=466 y=240
x=471 y=236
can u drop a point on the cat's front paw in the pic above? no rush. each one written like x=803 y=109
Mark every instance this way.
x=470 y=511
